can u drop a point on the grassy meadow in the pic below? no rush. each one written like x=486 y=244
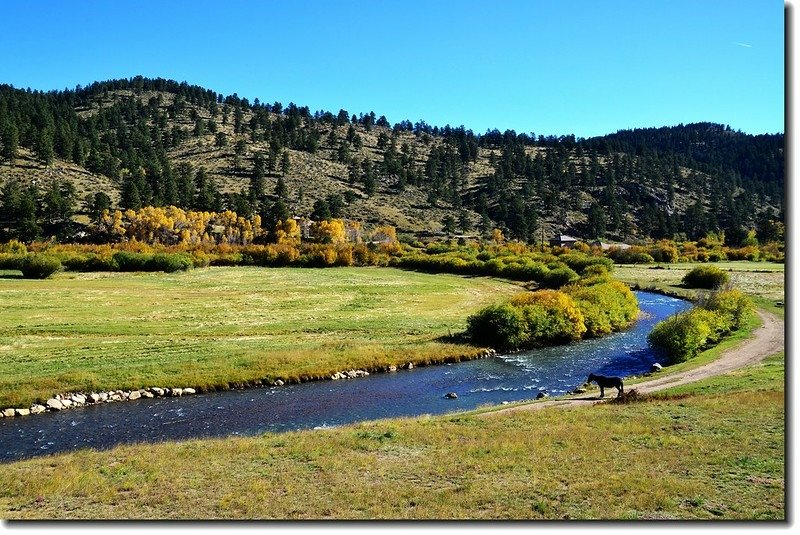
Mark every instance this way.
x=764 y=282
x=210 y=327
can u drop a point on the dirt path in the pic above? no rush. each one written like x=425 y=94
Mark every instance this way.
x=768 y=340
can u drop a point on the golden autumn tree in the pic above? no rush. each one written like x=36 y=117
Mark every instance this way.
x=287 y=232
x=329 y=231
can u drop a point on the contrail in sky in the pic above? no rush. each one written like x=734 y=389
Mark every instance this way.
x=744 y=45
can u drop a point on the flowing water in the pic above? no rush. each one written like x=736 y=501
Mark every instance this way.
x=513 y=377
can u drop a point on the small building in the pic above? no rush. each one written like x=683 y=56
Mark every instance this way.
x=562 y=240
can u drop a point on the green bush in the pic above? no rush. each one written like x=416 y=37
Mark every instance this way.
x=630 y=255
x=684 y=335
x=89 y=262
x=168 y=262
x=501 y=326
x=10 y=261
x=128 y=261
x=581 y=262
x=706 y=277
x=529 y=319
x=39 y=266
x=732 y=305
x=556 y=278
x=15 y=247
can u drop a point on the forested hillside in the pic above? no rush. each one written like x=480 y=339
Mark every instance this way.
x=65 y=156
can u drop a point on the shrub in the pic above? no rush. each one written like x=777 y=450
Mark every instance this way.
x=130 y=261
x=606 y=307
x=39 y=266
x=631 y=255
x=684 y=335
x=556 y=278
x=706 y=277
x=501 y=326
x=564 y=318
x=168 y=263
x=664 y=251
x=10 y=261
x=732 y=305
x=89 y=262
x=529 y=319
x=581 y=262
x=13 y=247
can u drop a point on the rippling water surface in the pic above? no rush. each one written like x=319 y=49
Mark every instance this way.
x=418 y=391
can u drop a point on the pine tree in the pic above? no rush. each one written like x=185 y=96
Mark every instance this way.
x=256 y=190
x=280 y=189
x=9 y=142
x=285 y=163
x=44 y=146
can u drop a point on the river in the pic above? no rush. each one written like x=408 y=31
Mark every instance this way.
x=514 y=377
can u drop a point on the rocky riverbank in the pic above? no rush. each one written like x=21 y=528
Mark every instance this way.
x=70 y=400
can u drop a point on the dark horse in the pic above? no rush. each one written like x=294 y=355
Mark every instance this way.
x=604 y=382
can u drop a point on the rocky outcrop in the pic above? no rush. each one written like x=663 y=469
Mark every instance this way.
x=451 y=395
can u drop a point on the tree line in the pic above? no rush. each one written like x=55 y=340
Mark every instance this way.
x=631 y=184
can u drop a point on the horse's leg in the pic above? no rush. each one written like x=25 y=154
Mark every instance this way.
x=620 y=391
x=602 y=391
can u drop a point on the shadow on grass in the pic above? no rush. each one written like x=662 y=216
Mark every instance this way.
x=11 y=276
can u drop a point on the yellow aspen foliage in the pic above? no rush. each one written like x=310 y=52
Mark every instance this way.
x=287 y=232
x=329 y=231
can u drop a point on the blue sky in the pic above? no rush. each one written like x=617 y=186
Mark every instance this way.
x=583 y=67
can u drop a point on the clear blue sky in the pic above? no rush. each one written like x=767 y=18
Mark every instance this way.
x=586 y=67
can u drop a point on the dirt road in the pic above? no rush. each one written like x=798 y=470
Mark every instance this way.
x=768 y=340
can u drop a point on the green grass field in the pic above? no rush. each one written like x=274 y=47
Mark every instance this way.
x=764 y=281
x=209 y=327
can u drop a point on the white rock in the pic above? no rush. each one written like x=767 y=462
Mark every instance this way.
x=134 y=395
x=115 y=397
x=54 y=404
x=157 y=391
x=94 y=398
x=8 y=413
x=22 y=412
x=177 y=392
x=189 y=391
x=37 y=409
x=146 y=394
x=392 y=368
x=78 y=399
x=103 y=396
x=410 y=365
x=278 y=383
x=67 y=403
